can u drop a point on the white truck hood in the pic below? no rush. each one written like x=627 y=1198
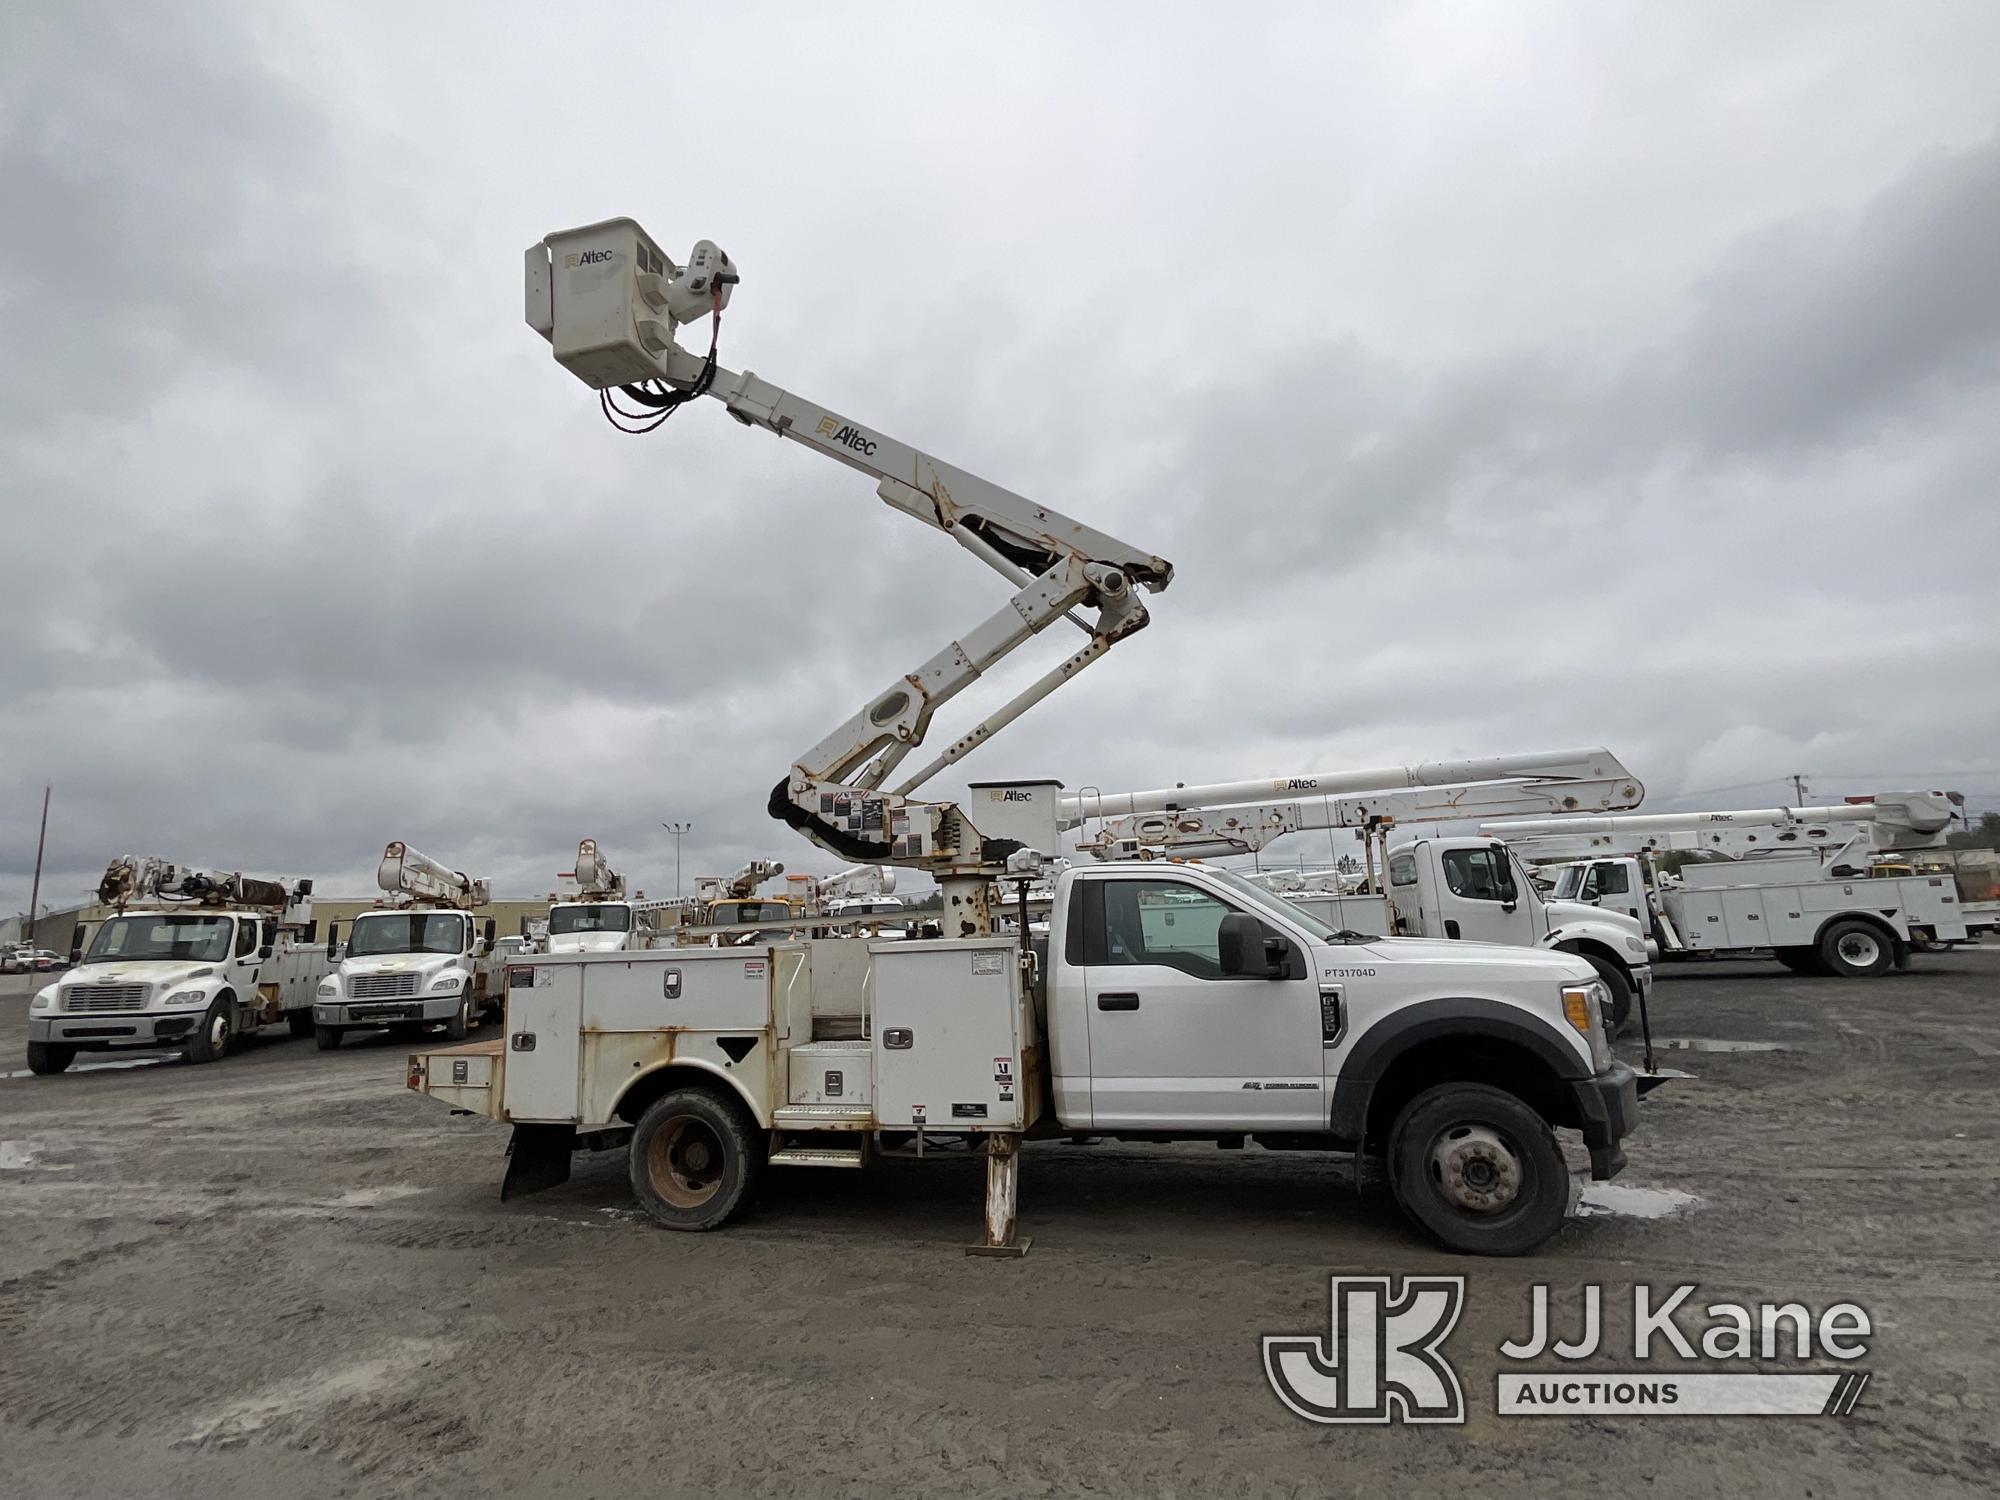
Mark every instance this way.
x=587 y=942
x=136 y=971
x=1574 y=913
x=1533 y=962
x=425 y=964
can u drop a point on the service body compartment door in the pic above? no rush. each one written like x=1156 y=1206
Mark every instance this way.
x=947 y=1017
x=544 y=1039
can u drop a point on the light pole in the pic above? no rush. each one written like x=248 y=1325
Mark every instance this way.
x=679 y=831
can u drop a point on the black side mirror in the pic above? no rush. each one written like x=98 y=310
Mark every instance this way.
x=332 y=941
x=75 y=943
x=264 y=952
x=490 y=930
x=1245 y=952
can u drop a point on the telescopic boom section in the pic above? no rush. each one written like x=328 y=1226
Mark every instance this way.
x=610 y=302
x=146 y=877
x=1202 y=822
x=408 y=873
x=1895 y=820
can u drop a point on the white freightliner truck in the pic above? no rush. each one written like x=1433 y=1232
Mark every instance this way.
x=188 y=958
x=417 y=960
x=1794 y=882
x=1181 y=1003
x=1457 y=888
x=599 y=919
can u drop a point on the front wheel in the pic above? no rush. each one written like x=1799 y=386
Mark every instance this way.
x=460 y=1023
x=1856 y=950
x=300 y=1022
x=212 y=1039
x=695 y=1160
x=1479 y=1169
x=326 y=1038
x=1618 y=1009
x=49 y=1057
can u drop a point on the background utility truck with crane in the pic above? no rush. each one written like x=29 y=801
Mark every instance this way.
x=1794 y=882
x=1460 y=889
x=415 y=961
x=598 y=919
x=188 y=958
x=1455 y=1062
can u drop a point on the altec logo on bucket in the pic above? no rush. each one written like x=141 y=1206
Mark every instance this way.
x=1383 y=1358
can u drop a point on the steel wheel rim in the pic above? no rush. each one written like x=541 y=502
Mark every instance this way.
x=684 y=1162
x=1862 y=949
x=218 y=1033
x=1476 y=1169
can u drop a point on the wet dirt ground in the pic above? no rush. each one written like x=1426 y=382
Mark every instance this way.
x=285 y=1275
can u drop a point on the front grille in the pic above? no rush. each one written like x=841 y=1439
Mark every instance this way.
x=105 y=997
x=376 y=986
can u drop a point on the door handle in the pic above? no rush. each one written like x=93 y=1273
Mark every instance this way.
x=1125 y=1001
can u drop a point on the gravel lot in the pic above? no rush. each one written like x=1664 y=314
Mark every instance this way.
x=286 y=1275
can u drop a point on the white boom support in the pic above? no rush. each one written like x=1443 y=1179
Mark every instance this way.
x=406 y=872
x=1201 y=822
x=595 y=879
x=609 y=302
x=1892 y=820
x=146 y=877
x=740 y=886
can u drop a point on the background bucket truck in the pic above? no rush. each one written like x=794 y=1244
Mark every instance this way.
x=1793 y=882
x=188 y=958
x=1462 y=888
x=1168 y=1003
x=415 y=961
x=598 y=919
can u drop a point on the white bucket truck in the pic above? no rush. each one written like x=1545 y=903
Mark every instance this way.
x=415 y=961
x=598 y=919
x=188 y=958
x=1793 y=883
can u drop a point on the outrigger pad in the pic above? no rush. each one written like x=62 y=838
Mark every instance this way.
x=1647 y=1082
x=537 y=1158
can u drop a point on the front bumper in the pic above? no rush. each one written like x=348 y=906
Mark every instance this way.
x=98 y=1031
x=1607 y=1108
x=342 y=1014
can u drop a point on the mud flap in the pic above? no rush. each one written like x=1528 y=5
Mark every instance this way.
x=537 y=1159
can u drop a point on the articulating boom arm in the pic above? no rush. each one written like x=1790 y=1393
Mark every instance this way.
x=609 y=302
x=1205 y=822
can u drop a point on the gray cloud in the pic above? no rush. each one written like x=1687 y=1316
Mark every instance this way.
x=1483 y=407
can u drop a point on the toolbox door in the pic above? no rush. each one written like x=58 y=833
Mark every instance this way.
x=544 y=1041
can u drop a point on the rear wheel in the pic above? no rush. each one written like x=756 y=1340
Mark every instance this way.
x=213 y=1038
x=695 y=1160
x=1856 y=950
x=49 y=1057
x=326 y=1038
x=1479 y=1169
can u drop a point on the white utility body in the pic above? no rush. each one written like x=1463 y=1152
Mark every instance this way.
x=188 y=958
x=1469 y=889
x=1792 y=883
x=419 y=960
x=1455 y=1061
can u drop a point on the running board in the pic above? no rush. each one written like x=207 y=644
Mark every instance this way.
x=817 y=1156
x=822 y=1117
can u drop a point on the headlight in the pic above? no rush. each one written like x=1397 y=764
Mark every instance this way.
x=44 y=1000
x=186 y=997
x=1636 y=947
x=329 y=986
x=445 y=982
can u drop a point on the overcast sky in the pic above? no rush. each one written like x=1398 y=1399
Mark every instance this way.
x=1498 y=378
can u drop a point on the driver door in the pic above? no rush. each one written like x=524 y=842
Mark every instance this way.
x=1478 y=899
x=1175 y=1044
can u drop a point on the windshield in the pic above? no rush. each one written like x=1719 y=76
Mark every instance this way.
x=1276 y=906
x=202 y=940
x=592 y=916
x=407 y=932
x=1570 y=884
x=729 y=913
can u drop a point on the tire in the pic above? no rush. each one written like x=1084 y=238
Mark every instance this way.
x=301 y=1022
x=695 y=1160
x=1856 y=950
x=1618 y=1010
x=1460 y=1143
x=326 y=1038
x=461 y=1020
x=1801 y=961
x=49 y=1057
x=216 y=1034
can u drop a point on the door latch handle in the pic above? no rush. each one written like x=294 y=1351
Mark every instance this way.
x=1126 y=1001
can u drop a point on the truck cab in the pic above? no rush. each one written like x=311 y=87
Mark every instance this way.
x=409 y=968
x=1613 y=884
x=593 y=927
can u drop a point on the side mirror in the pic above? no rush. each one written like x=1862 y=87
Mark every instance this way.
x=490 y=929
x=332 y=941
x=1245 y=952
x=264 y=952
x=75 y=944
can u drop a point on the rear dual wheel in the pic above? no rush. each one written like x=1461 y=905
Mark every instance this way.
x=1856 y=950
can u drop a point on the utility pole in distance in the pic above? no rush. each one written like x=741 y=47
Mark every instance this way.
x=678 y=830
x=42 y=843
x=1799 y=791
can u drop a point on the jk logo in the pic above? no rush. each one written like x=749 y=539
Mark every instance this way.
x=1379 y=1362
